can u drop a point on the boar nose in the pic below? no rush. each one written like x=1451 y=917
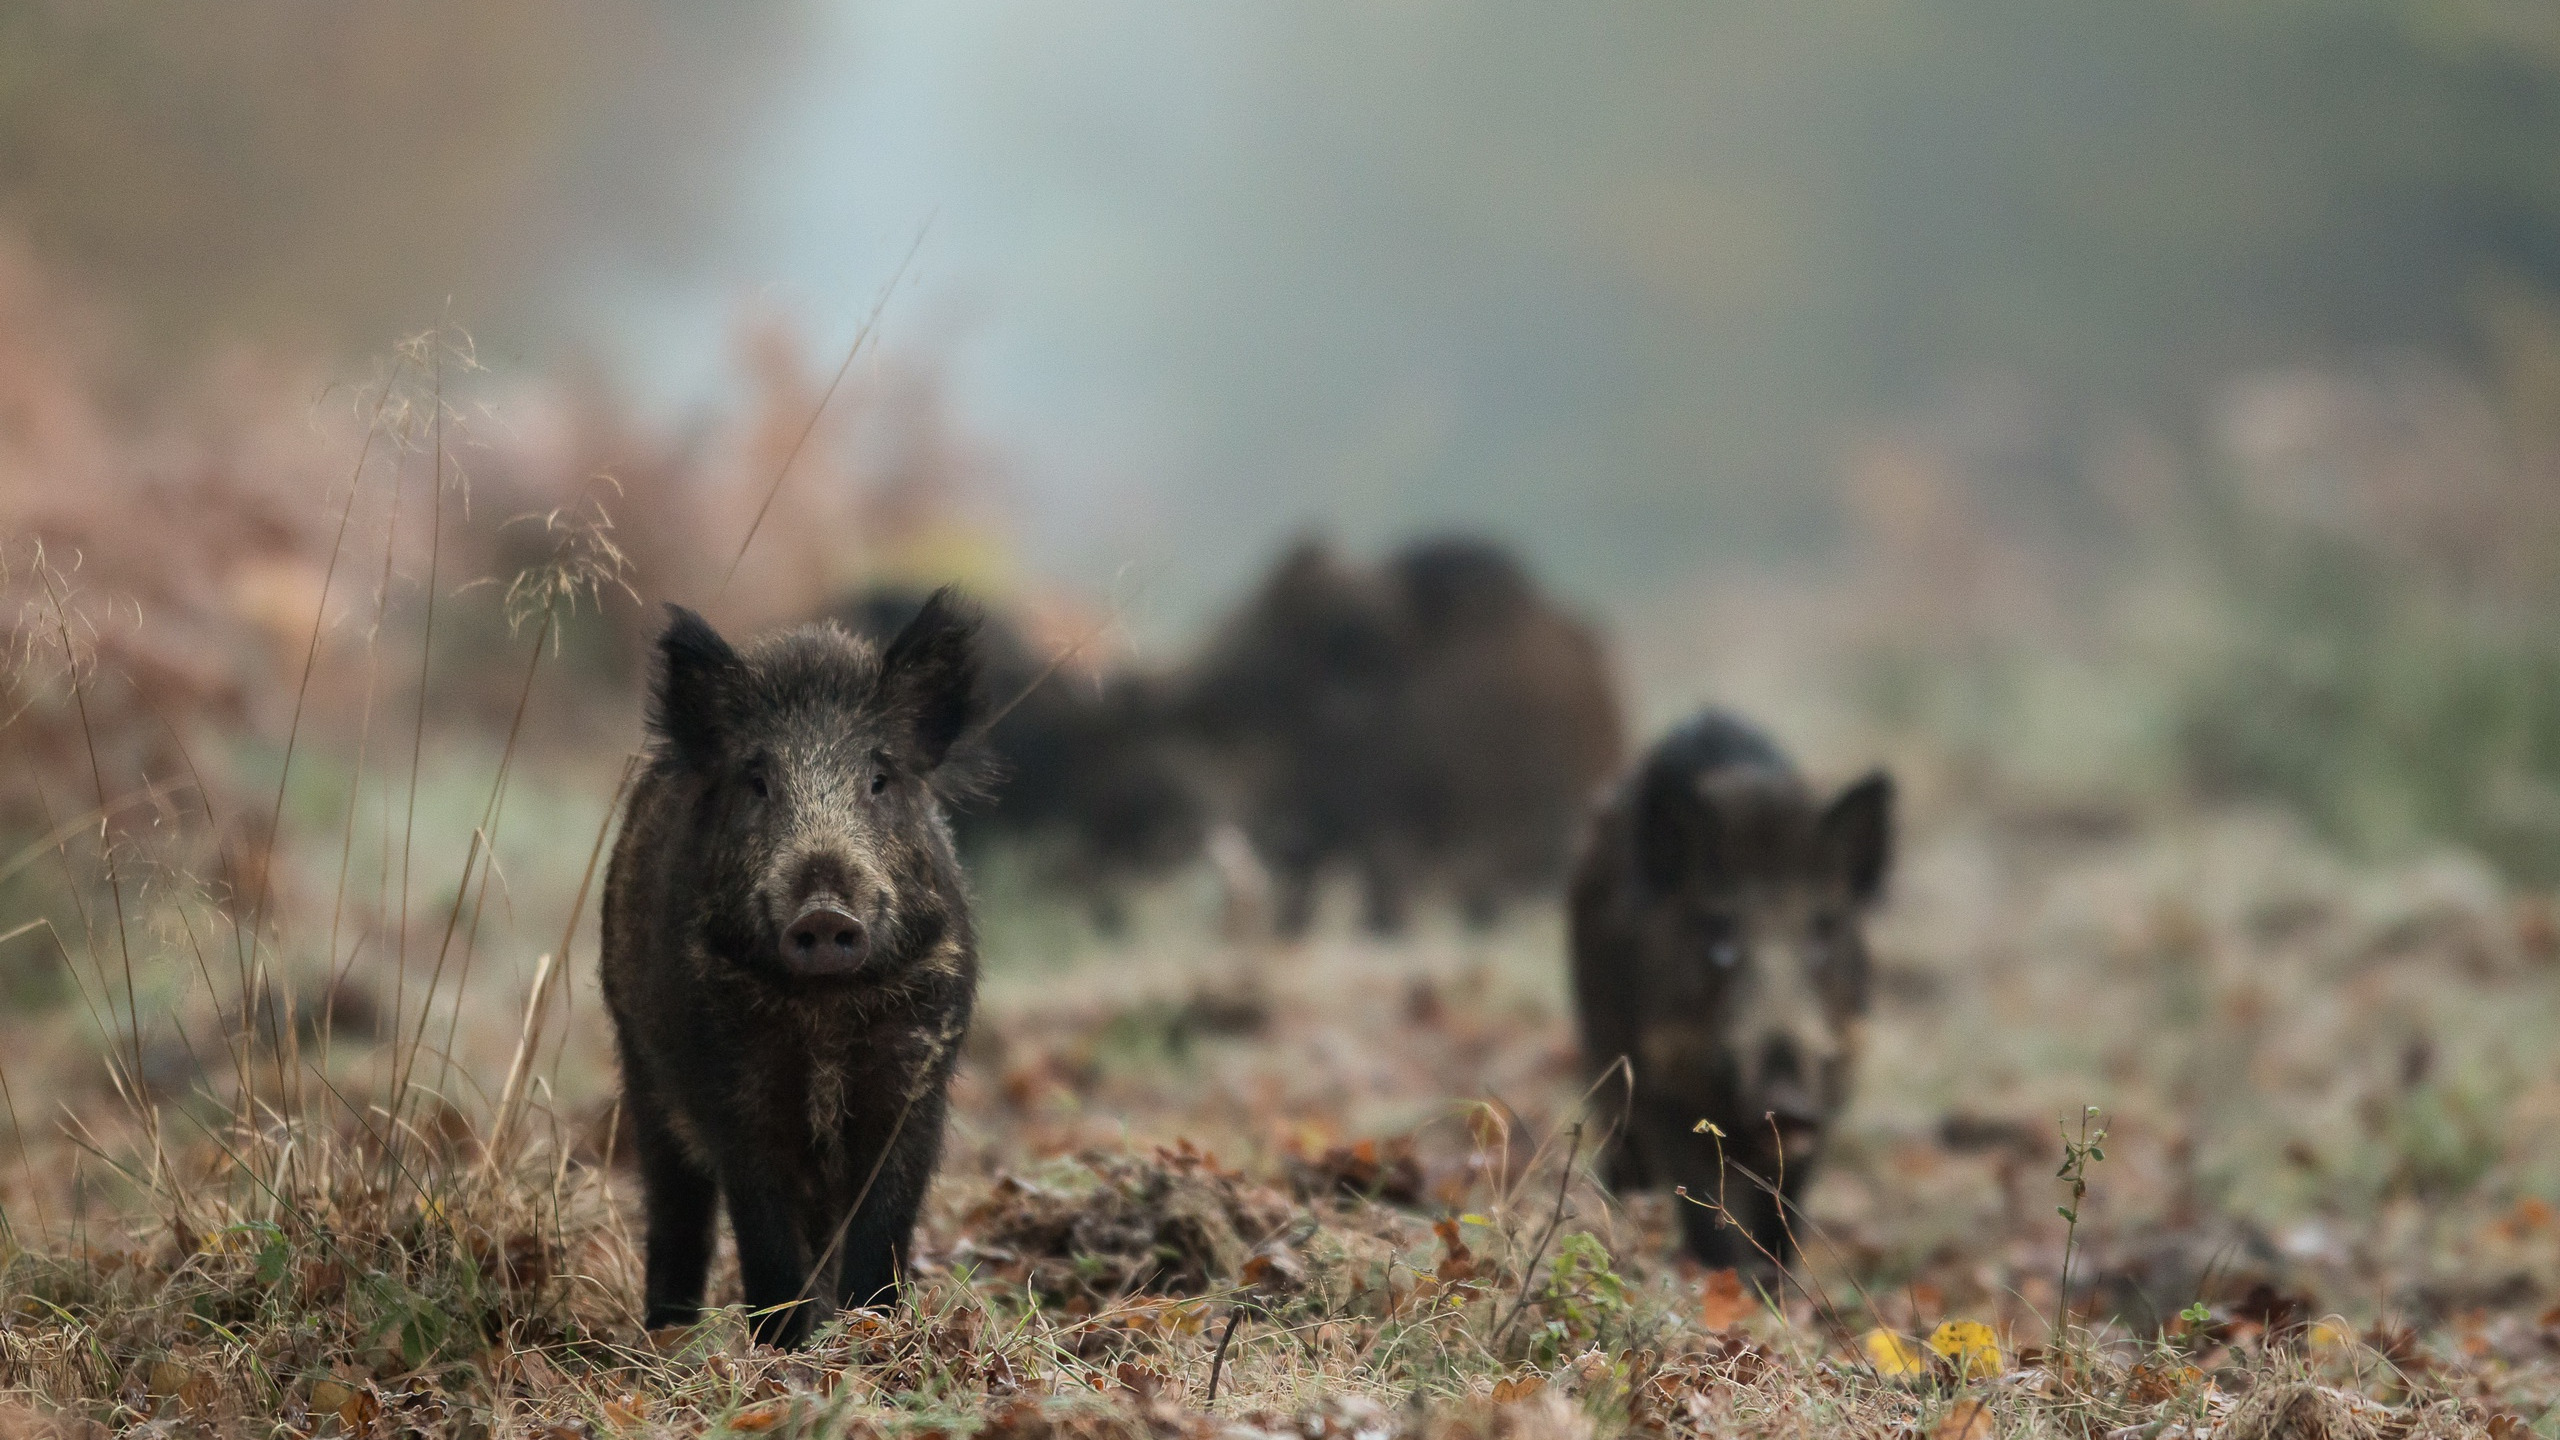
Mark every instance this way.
x=826 y=939
x=1787 y=1075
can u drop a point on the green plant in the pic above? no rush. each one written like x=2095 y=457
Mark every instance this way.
x=2077 y=1156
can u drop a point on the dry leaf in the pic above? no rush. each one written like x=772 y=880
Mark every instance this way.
x=1969 y=1346
x=757 y=1418
x=1522 y=1387
x=2153 y=1382
x=626 y=1413
x=1970 y=1420
x=1891 y=1355
x=1724 y=1306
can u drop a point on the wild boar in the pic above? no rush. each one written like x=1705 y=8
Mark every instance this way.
x=1718 y=950
x=1509 y=720
x=1081 y=769
x=1434 y=725
x=789 y=958
x=1300 y=697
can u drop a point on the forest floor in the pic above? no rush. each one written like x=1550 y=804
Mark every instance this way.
x=1343 y=1190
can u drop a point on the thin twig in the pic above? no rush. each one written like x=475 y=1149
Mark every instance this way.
x=861 y=340
x=1564 y=1182
x=1218 y=1361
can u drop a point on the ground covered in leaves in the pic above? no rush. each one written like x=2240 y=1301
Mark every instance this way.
x=1344 y=1191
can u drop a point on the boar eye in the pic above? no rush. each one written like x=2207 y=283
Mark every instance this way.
x=879 y=781
x=1719 y=937
x=756 y=782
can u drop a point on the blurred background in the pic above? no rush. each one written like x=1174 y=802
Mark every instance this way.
x=2225 y=331
x=2110 y=416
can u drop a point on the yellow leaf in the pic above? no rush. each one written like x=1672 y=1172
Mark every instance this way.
x=1969 y=1346
x=2325 y=1336
x=1892 y=1355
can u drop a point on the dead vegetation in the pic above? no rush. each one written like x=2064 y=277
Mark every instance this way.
x=310 y=1129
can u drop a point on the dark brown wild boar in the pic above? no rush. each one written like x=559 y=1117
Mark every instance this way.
x=1432 y=725
x=1300 y=695
x=1718 y=950
x=788 y=956
x=1086 y=772
x=1510 y=721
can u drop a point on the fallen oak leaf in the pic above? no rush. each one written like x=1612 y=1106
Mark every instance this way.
x=2151 y=1382
x=1724 y=1305
x=756 y=1419
x=1521 y=1387
x=1969 y=1420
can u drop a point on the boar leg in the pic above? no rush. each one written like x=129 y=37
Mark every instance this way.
x=1293 y=885
x=1383 y=889
x=682 y=1202
x=1748 y=1219
x=772 y=1261
x=877 y=1234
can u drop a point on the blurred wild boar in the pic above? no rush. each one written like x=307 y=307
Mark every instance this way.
x=1082 y=769
x=1718 y=949
x=1432 y=724
x=1511 y=720
x=1300 y=695
x=789 y=958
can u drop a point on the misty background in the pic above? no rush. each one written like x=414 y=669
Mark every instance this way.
x=2161 y=397
x=1622 y=287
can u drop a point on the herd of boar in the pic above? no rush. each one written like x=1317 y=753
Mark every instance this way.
x=790 y=963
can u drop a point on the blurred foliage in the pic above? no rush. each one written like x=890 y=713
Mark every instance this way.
x=2383 y=715
x=342 y=171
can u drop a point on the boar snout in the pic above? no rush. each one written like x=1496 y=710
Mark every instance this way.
x=825 y=939
x=1790 y=1092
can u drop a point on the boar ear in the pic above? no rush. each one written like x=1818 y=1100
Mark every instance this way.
x=1675 y=827
x=929 y=674
x=697 y=674
x=1856 y=836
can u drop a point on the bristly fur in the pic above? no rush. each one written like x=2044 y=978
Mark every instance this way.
x=801 y=775
x=696 y=671
x=1718 y=952
x=926 y=657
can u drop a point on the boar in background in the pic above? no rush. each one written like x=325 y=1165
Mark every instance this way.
x=1718 y=951
x=1082 y=770
x=1433 y=725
